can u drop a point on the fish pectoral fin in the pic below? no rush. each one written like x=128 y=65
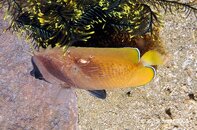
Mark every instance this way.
x=142 y=76
x=98 y=93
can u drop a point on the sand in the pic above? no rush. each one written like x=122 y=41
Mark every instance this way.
x=168 y=102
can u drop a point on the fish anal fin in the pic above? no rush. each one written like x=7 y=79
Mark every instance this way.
x=143 y=76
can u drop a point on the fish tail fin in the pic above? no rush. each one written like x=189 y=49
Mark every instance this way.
x=152 y=57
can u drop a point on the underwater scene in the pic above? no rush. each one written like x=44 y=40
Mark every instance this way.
x=98 y=64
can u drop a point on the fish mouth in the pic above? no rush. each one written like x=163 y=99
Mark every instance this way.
x=35 y=72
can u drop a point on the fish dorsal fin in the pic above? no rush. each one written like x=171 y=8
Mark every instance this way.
x=152 y=57
x=134 y=54
x=127 y=54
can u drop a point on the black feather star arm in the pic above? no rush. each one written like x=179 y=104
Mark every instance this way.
x=97 y=23
x=12 y=8
x=173 y=6
x=103 y=23
x=47 y=22
x=122 y=17
x=135 y=18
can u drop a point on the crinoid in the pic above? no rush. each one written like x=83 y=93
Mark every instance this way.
x=98 y=29
x=92 y=23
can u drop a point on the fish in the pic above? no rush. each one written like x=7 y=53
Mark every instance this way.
x=96 y=69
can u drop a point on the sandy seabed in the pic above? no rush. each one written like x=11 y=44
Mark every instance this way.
x=168 y=102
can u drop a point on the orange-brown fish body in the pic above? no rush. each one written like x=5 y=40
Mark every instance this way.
x=94 y=68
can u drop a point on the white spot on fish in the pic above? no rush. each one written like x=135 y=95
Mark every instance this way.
x=83 y=61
